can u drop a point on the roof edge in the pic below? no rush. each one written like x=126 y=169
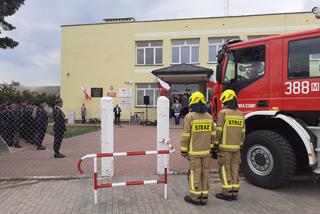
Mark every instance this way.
x=181 y=19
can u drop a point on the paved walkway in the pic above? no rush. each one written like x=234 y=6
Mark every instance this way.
x=30 y=162
x=76 y=196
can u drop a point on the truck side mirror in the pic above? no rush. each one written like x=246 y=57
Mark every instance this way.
x=219 y=73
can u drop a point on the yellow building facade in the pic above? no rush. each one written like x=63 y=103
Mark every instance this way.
x=116 y=57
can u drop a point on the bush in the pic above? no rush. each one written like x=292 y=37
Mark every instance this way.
x=94 y=120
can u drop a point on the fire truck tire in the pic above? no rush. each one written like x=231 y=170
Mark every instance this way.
x=268 y=159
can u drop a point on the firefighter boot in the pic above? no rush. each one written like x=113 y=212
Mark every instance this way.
x=188 y=199
x=204 y=201
x=234 y=197
x=224 y=197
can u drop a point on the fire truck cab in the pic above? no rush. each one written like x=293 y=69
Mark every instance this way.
x=277 y=81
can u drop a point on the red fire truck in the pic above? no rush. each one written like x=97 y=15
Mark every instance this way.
x=277 y=81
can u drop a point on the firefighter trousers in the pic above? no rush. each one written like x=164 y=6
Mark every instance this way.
x=199 y=178
x=229 y=162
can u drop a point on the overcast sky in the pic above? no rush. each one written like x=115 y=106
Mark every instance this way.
x=36 y=61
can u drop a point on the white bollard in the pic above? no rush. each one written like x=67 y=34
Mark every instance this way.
x=107 y=135
x=162 y=131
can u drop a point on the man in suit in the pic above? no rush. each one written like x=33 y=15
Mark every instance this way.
x=83 y=112
x=117 y=113
x=59 y=127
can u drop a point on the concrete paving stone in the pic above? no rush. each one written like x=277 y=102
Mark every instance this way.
x=28 y=161
x=76 y=196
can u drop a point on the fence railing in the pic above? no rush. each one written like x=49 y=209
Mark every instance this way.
x=97 y=186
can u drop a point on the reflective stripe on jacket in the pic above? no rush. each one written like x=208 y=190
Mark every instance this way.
x=198 y=134
x=231 y=129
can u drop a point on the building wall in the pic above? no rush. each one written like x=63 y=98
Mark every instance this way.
x=104 y=55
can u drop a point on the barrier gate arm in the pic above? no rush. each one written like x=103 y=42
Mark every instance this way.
x=128 y=183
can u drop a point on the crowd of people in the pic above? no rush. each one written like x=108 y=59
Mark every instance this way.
x=29 y=121
x=26 y=120
x=179 y=107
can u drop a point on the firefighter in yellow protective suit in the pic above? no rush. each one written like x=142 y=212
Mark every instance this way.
x=196 y=143
x=230 y=130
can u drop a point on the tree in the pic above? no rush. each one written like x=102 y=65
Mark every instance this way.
x=10 y=93
x=15 y=83
x=8 y=8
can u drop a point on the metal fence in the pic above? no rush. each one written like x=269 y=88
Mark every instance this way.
x=27 y=126
x=28 y=122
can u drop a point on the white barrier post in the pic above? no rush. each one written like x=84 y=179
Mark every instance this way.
x=162 y=132
x=106 y=135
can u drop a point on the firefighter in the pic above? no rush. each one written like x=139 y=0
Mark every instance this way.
x=59 y=128
x=230 y=130
x=196 y=142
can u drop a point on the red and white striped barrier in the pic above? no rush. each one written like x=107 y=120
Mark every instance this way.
x=127 y=183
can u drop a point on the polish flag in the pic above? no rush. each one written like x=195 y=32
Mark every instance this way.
x=165 y=87
x=84 y=90
x=212 y=82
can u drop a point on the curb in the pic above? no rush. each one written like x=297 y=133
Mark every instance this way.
x=28 y=182
x=45 y=178
x=214 y=173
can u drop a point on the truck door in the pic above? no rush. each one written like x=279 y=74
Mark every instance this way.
x=301 y=75
x=246 y=74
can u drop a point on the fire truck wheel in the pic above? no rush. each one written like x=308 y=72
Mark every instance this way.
x=268 y=160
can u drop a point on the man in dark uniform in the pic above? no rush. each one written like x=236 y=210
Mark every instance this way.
x=8 y=125
x=59 y=127
x=16 y=123
x=41 y=124
x=25 y=117
x=29 y=115
x=2 y=108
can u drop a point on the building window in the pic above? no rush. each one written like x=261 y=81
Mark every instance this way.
x=149 y=53
x=147 y=89
x=251 y=63
x=96 y=92
x=304 y=58
x=214 y=46
x=245 y=65
x=185 y=51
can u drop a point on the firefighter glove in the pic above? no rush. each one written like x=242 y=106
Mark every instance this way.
x=213 y=154
x=184 y=154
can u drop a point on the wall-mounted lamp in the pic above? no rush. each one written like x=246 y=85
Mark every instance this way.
x=68 y=74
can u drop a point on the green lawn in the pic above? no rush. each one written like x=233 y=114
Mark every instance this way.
x=73 y=130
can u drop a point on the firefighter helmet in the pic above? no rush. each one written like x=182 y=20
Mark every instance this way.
x=196 y=97
x=227 y=95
